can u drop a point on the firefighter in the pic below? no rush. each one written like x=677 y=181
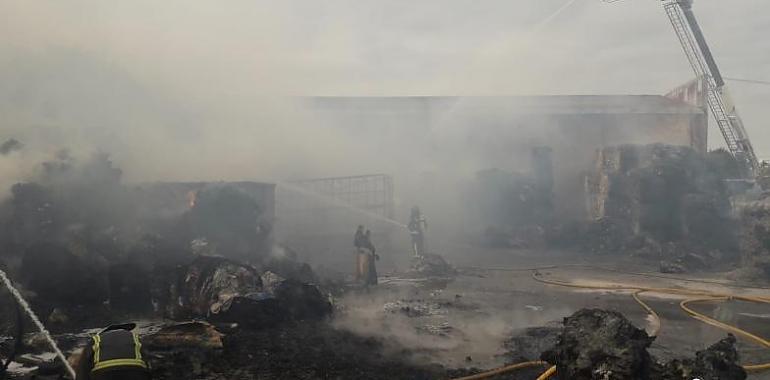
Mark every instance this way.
x=115 y=353
x=359 y=244
x=371 y=256
x=417 y=226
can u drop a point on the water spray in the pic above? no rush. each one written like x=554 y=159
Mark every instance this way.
x=337 y=202
x=24 y=305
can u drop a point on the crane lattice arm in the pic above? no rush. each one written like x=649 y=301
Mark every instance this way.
x=698 y=53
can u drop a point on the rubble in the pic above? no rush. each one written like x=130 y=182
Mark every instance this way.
x=129 y=288
x=514 y=207
x=643 y=197
x=226 y=291
x=289 y=268
x=599 y=344
x=60 y=278
x=414 y=308
x=307 y=350
x=602 y=344
x=755 y=240
x=432 y=265
x=197 y=334
x=718 y=362
x=300 y=301
x=227 y=218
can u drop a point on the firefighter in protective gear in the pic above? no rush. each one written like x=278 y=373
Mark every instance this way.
x=115 y=353
x=417 y=226
x=370 y=270
x=359 y=242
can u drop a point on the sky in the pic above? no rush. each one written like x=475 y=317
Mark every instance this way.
x=129 y=77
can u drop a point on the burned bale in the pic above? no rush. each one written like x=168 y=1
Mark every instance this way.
x=300 y=301
x=60 y=278
x=645 y=247
x=512 y=205
x=227 y=217
x=78 y=204
x=34 y=215
x=208 y=286
x=718 y=362
x=667 y=193
x=258 y=310
x=295 y=299
x=286 y=300
x=432 y=265
x=606 y=236
x=223 y=290
x=755 y=240
x=723 y=164
x=291 y=269
x=600 y=344
x=707 y=218
x=130 y=288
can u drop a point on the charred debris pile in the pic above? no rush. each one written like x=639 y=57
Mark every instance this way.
x=662 y=203
x=89 y=249
x=600 y=344
x=194 y=263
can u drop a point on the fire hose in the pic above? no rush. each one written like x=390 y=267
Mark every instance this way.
x=703 y=296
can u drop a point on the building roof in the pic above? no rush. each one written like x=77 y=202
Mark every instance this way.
x=536 y=105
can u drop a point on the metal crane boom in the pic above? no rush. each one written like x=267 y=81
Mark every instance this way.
x=702 y=61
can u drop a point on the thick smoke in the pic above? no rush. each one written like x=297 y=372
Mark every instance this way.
x=182 y=91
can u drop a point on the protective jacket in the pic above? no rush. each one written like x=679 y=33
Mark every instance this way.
x=114 y=353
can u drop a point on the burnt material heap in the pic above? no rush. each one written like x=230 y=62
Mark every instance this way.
x=600 y=344
x=662 y=193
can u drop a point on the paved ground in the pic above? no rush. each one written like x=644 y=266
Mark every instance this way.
x=464 y=321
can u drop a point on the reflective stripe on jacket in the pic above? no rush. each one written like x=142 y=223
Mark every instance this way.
x=117 y=348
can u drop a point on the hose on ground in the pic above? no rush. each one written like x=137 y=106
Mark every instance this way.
x=725 y=326
x=548 y=373
x=703 y=296
x=502 y=370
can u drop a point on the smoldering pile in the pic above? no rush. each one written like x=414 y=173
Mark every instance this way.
x=660 y=201
x=516 y=208
x=652 y=201
x=755 y=240
x=89 y=250
x=78 y=237
x=602 y=344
